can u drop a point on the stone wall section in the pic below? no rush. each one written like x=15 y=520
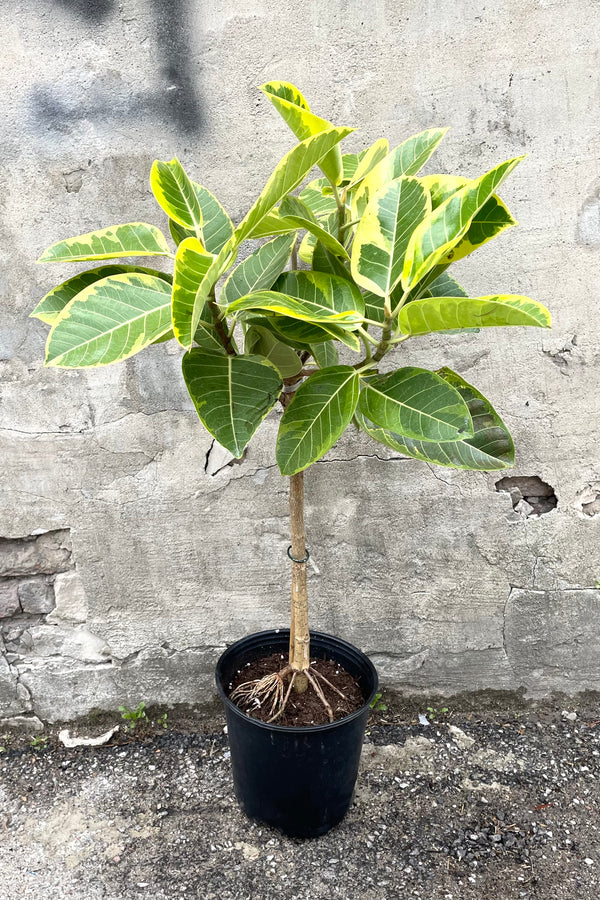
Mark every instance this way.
x=42 y=613
x=451 y=581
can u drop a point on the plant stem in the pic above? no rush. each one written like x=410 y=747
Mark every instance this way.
x=341 y=209
x=299 y=633
x=221 y=326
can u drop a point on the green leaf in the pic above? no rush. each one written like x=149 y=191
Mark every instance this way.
x=319 y=204
x=325 y=261
x=384 y=232
x=261 y=342
x=50 y=307
x=406 y=159
x=444 y=285
x=271 y=225
x=491 y=220
x=224 y=259
x=295 y=111
x=232 y=394
x=330 y=294
x=281 y=304
x=368 y=160
x=445 y=226
x=259 y=270
x=321 y=409
x=489 y=449
x=191 y=265
x=374 y=307
x=109 y=321
x=216 y=228
x=302 y=335
x=325 y=354
x=133 y=239
x=416 y=403
x=293 y=168
x=175 y=194
x=295 y=211
x=442 y=313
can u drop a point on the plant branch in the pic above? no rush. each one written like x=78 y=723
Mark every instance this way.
x=225 y=337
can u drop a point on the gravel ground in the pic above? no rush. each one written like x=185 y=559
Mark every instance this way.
x=497 y=805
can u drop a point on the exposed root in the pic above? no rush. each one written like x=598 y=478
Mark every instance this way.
x=329 y=684
x=268 y=689
x=285 y=699
x=319 y=693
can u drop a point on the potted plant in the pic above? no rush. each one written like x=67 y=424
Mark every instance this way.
x=370 y=272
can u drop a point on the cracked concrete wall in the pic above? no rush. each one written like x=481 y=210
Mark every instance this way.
x=431 y=571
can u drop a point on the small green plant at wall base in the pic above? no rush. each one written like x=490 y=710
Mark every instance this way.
x=434 y=713
x=356 y=262
x=38 y=742
x=161 y=721
x=133 y=717
x=377 y=705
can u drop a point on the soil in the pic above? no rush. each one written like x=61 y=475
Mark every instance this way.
x=305 y=708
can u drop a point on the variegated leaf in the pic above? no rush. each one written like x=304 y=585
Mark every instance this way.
x=319 y=204
x=491 y=220
x=489 y=449
x=384 y=232
x=109 y=321
x=416 y=403
x=443 y=313
x=51 y=306
x=217 y=227
x=175 y=194
x=406 y=159
x=330 y=293
x=293 y=168
x=441 y=231
x=321 y=409
x=295 y=111
x=191 y=265
x=232 y=394
x=368 y=159
x=259 y=270
x=133 y=239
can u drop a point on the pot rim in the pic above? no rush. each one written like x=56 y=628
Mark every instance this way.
x=296 y=729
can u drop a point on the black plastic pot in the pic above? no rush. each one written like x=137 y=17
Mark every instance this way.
x=299 y=780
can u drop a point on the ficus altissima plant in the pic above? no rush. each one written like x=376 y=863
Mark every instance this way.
x=354 y=261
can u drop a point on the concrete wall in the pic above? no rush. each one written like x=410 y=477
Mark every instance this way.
x=125 y=566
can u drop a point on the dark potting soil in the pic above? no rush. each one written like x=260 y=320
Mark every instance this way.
x=305 y=708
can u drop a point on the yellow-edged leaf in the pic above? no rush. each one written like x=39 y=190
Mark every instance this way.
x=175 y=193
x=441 y=231
x=109 y=321
x=132 y=239
x=293 y=108
x=384 y=232
x=444 y=313
x=293 y=168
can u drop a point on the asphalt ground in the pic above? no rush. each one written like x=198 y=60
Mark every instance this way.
x=457 y=804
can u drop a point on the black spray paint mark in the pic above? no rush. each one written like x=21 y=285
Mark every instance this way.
x=111 y=98
x=93 y=11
